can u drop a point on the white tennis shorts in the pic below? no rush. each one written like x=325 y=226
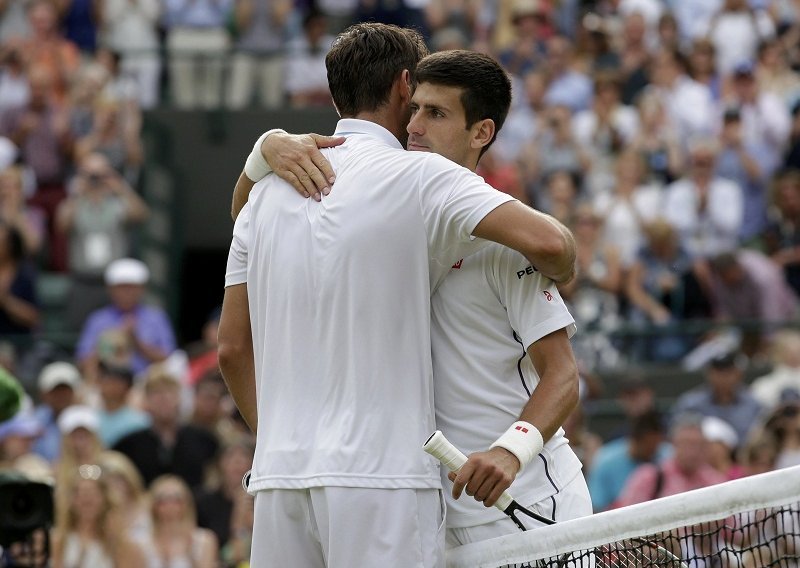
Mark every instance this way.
x=346 y=527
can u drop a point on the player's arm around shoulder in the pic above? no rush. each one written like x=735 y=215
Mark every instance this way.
x=544 y=241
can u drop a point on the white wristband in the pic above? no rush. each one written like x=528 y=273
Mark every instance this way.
x=256 y=167
x=523 y=440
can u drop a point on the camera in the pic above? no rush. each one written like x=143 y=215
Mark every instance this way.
x=25 y=506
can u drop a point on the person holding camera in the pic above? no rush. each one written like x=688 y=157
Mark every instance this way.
x=96 y=218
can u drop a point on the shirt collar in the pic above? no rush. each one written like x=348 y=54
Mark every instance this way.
x=350 y=126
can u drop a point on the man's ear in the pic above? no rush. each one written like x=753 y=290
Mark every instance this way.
x=482 y=133
x=406 y=90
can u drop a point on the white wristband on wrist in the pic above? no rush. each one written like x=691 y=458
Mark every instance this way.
x=256 y=167
x=523 y=440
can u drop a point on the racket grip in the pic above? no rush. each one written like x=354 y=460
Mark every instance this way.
x=452 y=458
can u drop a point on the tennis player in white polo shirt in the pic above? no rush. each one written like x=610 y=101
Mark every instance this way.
x=336 y=297
x=491 y=311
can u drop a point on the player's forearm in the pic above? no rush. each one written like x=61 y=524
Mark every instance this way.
x=240 y=194
x=238 y=370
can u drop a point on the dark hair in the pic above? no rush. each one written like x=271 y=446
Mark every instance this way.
x=647 y=423
x=364 y=62
x=16 y=245
x=485 y=87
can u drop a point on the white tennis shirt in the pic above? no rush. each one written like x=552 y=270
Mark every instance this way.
x=339 y=295
x=491 y=307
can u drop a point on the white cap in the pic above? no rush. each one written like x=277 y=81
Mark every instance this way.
x=74 y=417
x=59 y=373
x=127 y=271
x=718 y=430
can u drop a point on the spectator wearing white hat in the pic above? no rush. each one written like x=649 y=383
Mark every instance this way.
x=127 y=331
x=80 y=442
x=59 y=384
x=722 y=444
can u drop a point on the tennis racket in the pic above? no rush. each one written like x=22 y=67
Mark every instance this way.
x=632 y=553
x=452 y=458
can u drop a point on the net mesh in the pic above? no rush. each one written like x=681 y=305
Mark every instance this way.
x=747 y=523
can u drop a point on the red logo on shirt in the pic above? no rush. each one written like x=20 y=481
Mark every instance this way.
x=548 y=295
x=457 y=265
x=524 y=430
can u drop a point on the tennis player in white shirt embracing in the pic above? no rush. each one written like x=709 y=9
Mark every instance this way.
x=500 y=331
x=325 y=327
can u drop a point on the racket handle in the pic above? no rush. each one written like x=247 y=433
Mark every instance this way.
x=452 y=458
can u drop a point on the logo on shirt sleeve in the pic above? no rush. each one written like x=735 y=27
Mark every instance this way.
x=525 y=272
x=457 y=265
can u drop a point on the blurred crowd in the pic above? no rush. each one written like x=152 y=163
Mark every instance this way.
x=665 y=133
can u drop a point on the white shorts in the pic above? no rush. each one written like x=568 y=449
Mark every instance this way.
x=346 y=527
x=571 y=502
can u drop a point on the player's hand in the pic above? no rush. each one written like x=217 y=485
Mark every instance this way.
x=296 y=158
x=486 y=475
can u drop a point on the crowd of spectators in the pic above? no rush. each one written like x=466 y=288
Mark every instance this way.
x=664 y=133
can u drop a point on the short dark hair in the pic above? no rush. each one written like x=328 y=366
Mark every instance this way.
x=650 y=422
x=364 y=62
x=485 y=87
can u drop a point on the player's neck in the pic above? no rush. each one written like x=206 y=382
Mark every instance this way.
x=388 y=119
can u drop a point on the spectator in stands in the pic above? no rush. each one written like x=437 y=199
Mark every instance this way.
x=747 y=286
x=604 y=130
x=782 y=237
x=127 y=491
x=87 y=531
x=722 y=445
x=629 y=207
x=553 y=150
x=41 y=131
x=592 y=295
x=115 y=134
x=96 y=218
x=176 y=540
x=657 y=141
x=14 y=23
x=559 y=196
x=688 y=104
x=17 y=438
x=203 y=353
x=226 y=509
x=687 y=469
x=694 y=17
x=19 y=313
x=706 y=210
x=117 y=417
x=47 y=49
x=197 y=41
x=662 y=290
x=29 y=221
x=703 y=68
x=131 y=30
x=14 y=88
x=525 y=120
x=784 y=424
x=782 y=384
x=567 y=86
x=634 y=57
x=736 y=30
x=146 y=329
x=305 y=77
x=765 y=118
x=168 y=445
x=635 y=396
x=527 y=49
x=211 y=405
x=723 y=395
x=617 y=460
x=750 y=165
x=773 y=73
x=503 y=175
x=80 y=445
x=59 y=384
x=257 y=63
x=758 y=454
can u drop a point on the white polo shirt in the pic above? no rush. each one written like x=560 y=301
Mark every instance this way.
x=339 y=295
x=487 y=312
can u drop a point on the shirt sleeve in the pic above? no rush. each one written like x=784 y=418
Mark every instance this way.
x=453 y=201
x=236 y=270
x=535 y=308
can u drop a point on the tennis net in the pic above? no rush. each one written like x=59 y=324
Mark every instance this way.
x=746 y=523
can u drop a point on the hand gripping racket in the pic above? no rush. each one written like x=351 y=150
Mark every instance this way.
x=440 y=447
